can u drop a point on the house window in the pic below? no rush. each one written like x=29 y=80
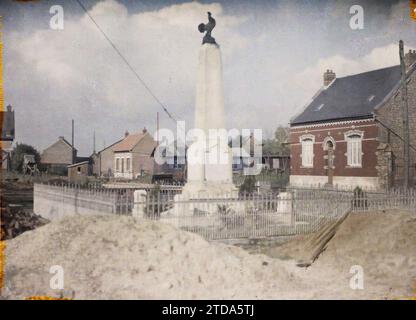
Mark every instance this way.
x=122 y=165
x=307 y=143
x=354 y=148
x=117 y=164
x=128 y=164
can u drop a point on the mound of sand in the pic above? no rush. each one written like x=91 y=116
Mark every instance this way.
x=120 y=257
x=382 y=243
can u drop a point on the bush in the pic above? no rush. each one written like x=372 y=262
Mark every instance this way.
x=17 y=156
x=249 y=185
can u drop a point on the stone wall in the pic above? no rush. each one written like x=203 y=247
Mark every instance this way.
x=390 y=115
x=55 y=202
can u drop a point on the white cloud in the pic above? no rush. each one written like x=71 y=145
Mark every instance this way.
x=85 y=79
x=274 y=58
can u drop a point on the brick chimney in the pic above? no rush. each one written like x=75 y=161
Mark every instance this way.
x=126 y=134
x=329 y=76
x=144 y=130
x=410 y=58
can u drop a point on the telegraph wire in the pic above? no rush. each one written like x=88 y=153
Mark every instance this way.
x=127 y=62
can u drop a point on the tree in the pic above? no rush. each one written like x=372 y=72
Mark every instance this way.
x=17 y=155
x=277 y=145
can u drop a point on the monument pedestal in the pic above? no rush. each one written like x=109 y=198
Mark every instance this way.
x=209 y=158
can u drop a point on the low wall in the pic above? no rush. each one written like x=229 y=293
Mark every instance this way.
x=55 y=202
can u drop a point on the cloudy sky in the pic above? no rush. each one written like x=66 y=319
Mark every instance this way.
x=274 y=54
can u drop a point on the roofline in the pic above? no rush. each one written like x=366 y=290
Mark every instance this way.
x=396 y=88
x=78 y=164
x=369 y=116
x=129 y=150
x=109 y=146
x=67 y=142
x=357 y=74
x=60 y=139
x=307 y=104
x=143 y=135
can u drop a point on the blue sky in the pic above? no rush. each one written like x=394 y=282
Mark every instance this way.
x=274 y=54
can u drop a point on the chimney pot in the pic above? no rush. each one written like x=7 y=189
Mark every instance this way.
x=329 y=76
x=144 y=130
x=126 y=134
x=410 y=58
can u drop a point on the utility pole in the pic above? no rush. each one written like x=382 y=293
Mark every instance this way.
x=72 y=142
x=405 y=117
x=93 y=151
x=157 y=127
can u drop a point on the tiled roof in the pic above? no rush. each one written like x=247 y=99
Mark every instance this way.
x=129 y=142
x=353 y=96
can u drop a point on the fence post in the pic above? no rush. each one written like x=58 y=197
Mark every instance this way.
x=139 y=203
x=291 y=198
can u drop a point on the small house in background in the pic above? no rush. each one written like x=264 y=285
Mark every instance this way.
x=170 y=163
x=133 y=155
x=351 y=133
x=78 y=172
x=278 y=162
x=57 y=157
x=7 y=136
x=103 y=161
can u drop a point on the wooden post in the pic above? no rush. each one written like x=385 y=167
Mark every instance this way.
x=72 y=142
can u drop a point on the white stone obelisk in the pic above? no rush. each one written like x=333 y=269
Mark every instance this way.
x=209 y=158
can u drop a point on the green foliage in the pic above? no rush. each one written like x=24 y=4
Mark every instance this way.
x=17 y=155
x=277 y=145
x=249 y=185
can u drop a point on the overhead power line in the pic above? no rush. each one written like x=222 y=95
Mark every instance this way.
x=127 y=62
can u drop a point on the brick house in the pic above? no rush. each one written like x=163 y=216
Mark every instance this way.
x=351 y=133
x=133 y=155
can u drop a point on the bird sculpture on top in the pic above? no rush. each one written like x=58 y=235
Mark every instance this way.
x=202 y=27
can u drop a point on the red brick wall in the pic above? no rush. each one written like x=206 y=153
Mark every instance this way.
x=336 y=131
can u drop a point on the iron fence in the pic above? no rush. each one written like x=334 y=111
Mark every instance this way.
x=296 y=211
x=282 y=213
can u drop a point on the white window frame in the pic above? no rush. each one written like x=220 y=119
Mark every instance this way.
x=307 y=143
x=354 y=139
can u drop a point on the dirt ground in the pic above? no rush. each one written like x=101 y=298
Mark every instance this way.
x=117 y=257
x=16 y=207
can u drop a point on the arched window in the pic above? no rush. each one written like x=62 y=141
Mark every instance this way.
x=354 y=148
x=307 y=142
x=328 y=142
